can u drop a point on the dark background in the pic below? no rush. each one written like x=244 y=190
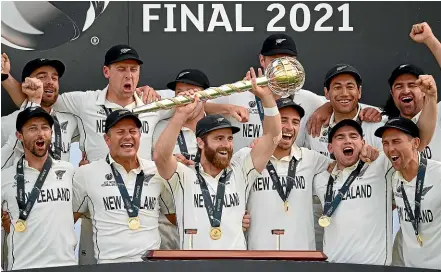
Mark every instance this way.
x=378 y=43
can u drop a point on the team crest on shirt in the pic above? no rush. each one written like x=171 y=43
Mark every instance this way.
x=147 y=179
x=63 y=126
x=60 y=174
x=108 y=176
x=399 y=192
x=252 y=103
x=101 y=112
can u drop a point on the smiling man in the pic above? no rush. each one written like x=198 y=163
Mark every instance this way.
x=416 y=184
x=356 y=201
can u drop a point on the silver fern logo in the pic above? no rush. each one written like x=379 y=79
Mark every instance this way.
x=43 y=25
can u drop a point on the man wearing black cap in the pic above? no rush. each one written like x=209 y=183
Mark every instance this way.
x=210 y=198
x=37 y=196
x=356 y=201
x=274 y=46
x=121 y=194
x=416 y=184
x=41 y=78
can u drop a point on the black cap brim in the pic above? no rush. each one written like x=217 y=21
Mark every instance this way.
x=379 y=132
x=280 y=51
x=344 y=123
x=172 y=85
x=233 y=128
x=123 y=58
x=58 y=66
x=298 y=108
x=34 y=114
x=131 y=116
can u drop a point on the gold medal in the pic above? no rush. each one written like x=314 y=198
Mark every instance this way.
x=324 y=221
x=20 y=225
x=215 y=233
x=420 y=240
x=134 y=223
x=286 y=205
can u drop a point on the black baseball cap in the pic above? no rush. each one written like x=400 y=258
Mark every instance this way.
x=343 y=123
x=30 y=113
x=121 y=52
x=37 y=63
x=405 y=125
x=404 y=69
x=118 y=115
x=279 y=44
x=213 y=122
x=342 y=69
x=190 y=76
x=288 y=102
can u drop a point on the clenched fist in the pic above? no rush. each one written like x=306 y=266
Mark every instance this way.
x=427 y=85
x=421 y=33
x=33 y=88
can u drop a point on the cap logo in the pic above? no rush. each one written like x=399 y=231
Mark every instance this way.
x=123 y=112
x=341 y=67
x=220 y=119
x=183 y=74
x=125 y=50
x=279 y=41
x=42 y=59
x=404 y=65
x=285 y=101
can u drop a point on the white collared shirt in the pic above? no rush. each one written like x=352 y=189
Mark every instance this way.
x=320 y=143
x=191 y=212
x=433 y=150
x=13 y=149
x=253 y=128
x=88 y=106
x=49 y=239
x=96 y=191
x=267 y=208
x=429 y=225
x=361 y=226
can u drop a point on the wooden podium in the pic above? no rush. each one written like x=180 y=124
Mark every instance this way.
x=316 y=256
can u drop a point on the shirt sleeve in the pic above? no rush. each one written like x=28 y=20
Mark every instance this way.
x=80 y=197
x=321 y=162
x=72 y=102
x=9 y=152
x=242 y=159
x=176 y=182
x=166 y=203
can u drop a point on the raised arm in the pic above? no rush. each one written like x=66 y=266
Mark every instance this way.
x=272 y=128
x=12 y=86
x=241 y=114
x=429 y=114
x=163 y=151
x=422 y=33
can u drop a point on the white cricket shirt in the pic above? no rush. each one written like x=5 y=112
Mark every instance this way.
x=429 y=226
x=49 y=239
x=253 y=128
x=361 y=227
x=88 y=106
x=320 y=144
x=267 y=208
x=191 y=212
x=96 y=191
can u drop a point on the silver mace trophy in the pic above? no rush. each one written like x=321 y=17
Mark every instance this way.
x=284 y=76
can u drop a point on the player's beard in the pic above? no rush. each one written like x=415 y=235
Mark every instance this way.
x=31 y=146
x=217 y=160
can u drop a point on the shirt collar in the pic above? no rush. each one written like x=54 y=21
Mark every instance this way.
x=336 y=172
x=201 y=168
x=295 y=151
x=416 y=117
x=136 y=171
x=332 y=120
x=101 y=100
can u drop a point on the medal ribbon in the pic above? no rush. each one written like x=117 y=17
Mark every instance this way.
x=214 y=211
x=56 y=153
x=26 y=207
x=183 y=148
x=132 y=207
x=289 y=179
x=414 y=217
x=331 y=205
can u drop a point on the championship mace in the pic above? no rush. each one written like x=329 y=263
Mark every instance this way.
x=284 y=76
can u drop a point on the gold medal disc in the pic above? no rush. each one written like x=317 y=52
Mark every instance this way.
x=215 y=233
x=134 y=223
x=324 y=221
x=20 y=225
